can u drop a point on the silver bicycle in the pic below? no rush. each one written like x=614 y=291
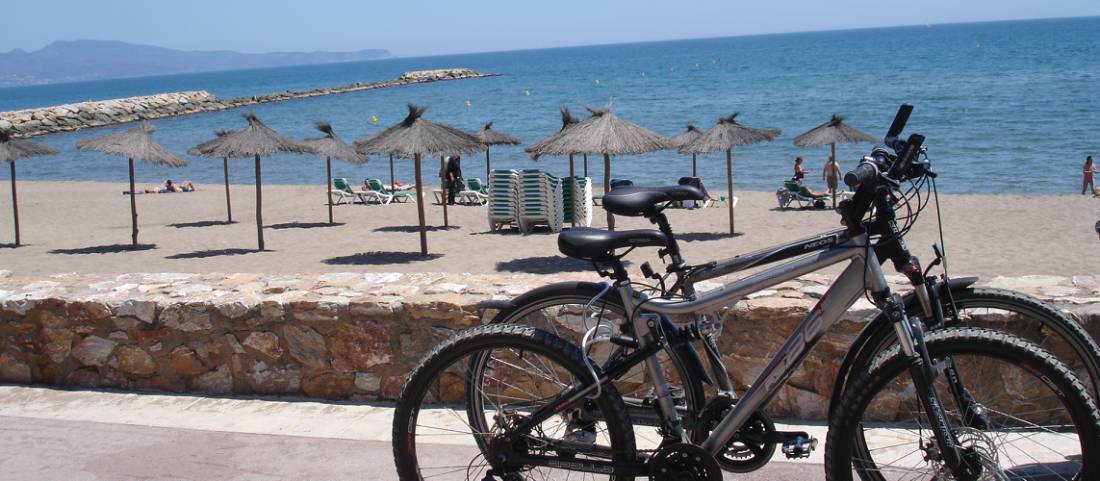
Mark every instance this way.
x=507 y=401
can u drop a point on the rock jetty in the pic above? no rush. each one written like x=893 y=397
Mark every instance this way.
x=68 y=117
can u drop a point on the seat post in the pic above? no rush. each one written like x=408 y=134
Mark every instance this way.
x=673 y=249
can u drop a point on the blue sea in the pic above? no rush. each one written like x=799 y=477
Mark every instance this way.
x=1006 y=106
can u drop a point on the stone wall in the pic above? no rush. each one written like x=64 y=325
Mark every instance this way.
x=355 y=336
x=61 y=118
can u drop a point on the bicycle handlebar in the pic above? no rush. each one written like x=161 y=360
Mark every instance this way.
x=865 y=172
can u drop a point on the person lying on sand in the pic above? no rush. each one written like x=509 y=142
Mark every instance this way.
x=170 y=188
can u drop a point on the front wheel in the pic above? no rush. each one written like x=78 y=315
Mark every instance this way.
x=1027 y=417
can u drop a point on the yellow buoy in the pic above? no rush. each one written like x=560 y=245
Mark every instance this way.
x=467 y=103
x=373 y=120
x=527 y=93
x=597 y=82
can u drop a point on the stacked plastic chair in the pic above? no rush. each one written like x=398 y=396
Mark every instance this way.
x=540 y=201
x=578 y=201
x=503 y=199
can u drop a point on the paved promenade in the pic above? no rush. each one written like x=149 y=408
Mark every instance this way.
x=48 y=434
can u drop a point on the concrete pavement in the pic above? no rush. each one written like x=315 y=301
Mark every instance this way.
x=50 y=434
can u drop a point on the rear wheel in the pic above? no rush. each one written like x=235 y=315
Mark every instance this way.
x=522 y=370
x=1027 y=417
x=560 y=309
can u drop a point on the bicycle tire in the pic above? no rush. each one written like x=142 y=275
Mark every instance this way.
x=499 y=336
x=845 y=442
x=579 y=293
x=1083 y=346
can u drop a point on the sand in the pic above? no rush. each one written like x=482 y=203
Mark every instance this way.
x=85 y=227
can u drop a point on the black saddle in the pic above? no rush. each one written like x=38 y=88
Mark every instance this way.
x=635 y=201
x=595 y=244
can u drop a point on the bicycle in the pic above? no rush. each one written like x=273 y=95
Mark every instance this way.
x=563 y=412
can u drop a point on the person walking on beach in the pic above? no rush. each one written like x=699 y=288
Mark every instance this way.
x=1087 y=185
x=454 y=178
x=831 y=175
x=799 y=171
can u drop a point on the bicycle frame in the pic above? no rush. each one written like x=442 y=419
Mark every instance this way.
x=863 y=273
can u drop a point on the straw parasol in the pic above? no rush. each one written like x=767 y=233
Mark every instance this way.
x=831 y=133
x=488 y=136
x=333 y=148
x=197 y=150
x=685 y=138
x=10 y=150
x=414 y=137
x=726 y=134
x=133 y=143
x=567 y=120
x=253 y=141
x=602 y=133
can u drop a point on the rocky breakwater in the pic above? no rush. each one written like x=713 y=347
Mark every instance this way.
x=357 y=336
x=68 y=117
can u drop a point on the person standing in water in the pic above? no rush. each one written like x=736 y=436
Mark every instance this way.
x=1087 y=185
x=831 y=175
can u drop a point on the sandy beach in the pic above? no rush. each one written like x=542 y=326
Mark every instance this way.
x=85 y=227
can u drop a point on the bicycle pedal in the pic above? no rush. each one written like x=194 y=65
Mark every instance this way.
x=799 y=446
x=579 y=439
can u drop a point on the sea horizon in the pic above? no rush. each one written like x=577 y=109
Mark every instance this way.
x=999 y=102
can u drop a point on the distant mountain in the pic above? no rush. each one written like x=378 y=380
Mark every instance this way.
x=77 y=60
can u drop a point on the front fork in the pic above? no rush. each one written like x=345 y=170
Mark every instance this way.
x=923 y=372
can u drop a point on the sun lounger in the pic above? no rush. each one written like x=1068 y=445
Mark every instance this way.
x=342 y=191
x=503 y=191
x=395 y=196
x=791 y=193
x=475 y=193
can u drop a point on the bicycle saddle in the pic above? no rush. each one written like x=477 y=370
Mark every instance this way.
x=595 y=244
x=636 y=201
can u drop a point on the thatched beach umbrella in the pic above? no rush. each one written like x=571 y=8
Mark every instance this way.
x=685 y=138
x=333 y=148
x=567 y=120
x=488 y=136
x=133 y=143
x=197 y=150
x=415 y=137
x=10 y=150
x=726 y=134
x=831 y=133
x=253 y=141
x=603 y=133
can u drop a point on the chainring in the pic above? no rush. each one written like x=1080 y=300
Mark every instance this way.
x=742 y=453
x=683 y=462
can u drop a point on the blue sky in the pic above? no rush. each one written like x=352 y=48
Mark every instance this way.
x=430 y=27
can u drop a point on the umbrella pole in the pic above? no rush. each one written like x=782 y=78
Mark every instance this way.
x=228 y=204
x=486 y=163
x=133 y=207
x=14 y=204
x=328 y=179
x=573 y=194
x=259 y=208
x=729 y=185
x=393 y=181
x=585 y=156
x=420 y=207
x=607 y=188
x=443 y=184
x=832 y=156
x=693 y=171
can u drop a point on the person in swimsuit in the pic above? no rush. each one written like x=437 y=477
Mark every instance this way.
x=831 y=175
x=1087 y=186
x=799 y=171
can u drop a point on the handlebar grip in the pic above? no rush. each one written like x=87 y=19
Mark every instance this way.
x=865 y=172
x=899 y=122
x=901 y=167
